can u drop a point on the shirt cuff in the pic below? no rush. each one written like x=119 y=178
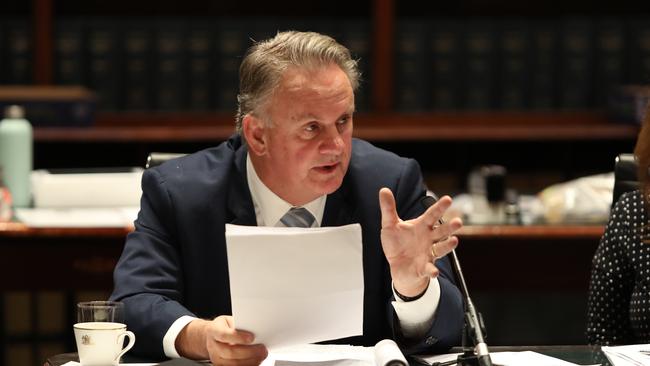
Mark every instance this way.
x=169 y=340
x=415 y=317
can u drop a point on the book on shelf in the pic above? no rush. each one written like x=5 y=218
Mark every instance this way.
x=355 y=35
x=576 y=63
x=411 y=65
x=170 y=68
x=137 y=50
x=544 y=51
x=639 y=46
x=200 y=50
x=19 y=50
x=103 y=72
x=480 y=65
x=514 y=64
x=232 y=42
x=445 y=39
x=69 y=51
x=609 y=61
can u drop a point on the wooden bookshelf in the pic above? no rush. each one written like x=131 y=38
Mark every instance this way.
x=459 y=126
x=382 y=124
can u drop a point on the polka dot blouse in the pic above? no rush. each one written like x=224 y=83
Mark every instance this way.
x=618 y=309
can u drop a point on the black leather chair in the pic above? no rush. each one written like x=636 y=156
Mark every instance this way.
x=157 y=158
x=625 y=176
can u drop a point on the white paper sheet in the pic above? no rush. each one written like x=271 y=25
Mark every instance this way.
x=78 y=217
x=322 y=355
x=523 y=358
x=628 y=355
x=294 y=286
x=384 y=352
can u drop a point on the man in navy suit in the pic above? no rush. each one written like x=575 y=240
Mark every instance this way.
x=293 y=149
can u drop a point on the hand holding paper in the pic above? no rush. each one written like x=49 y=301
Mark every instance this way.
x=294 y=286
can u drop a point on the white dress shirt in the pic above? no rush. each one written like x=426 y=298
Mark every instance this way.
x=415 y=317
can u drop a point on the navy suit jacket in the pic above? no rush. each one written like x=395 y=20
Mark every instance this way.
x=174 y=263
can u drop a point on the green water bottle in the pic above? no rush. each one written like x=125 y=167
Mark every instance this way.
x=16 y=154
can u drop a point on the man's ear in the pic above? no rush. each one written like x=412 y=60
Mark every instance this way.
x=254 y=130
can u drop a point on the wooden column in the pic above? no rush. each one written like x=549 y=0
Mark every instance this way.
x=43 y=41
x=382 y=58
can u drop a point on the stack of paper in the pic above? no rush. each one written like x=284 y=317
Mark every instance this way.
x=523 y=358
x=632 y=355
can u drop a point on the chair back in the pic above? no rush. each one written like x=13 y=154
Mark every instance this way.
x=625 y=176
x=157 y=158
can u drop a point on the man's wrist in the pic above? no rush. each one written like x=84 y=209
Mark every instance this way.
x=406 y=298
x=191 y=341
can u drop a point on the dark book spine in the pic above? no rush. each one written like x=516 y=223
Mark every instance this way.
x=18 y=65
x=544 y=50
x=232 y=43
x=137 y=48
x=170 y=78
x=610 y=69
x=411 y=65
x=201 y=61
x=639 y=38
x=576 y=68
x=514 y=64
x=103 y=62
x=69 y=55
x=355 y=35
x=480 y=71
x=445 y=47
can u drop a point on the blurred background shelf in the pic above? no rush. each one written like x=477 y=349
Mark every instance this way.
x=451 y=126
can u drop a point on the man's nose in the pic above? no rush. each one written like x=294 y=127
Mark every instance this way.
x=332 y=142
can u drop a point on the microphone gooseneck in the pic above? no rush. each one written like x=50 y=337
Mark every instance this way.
x=473 y=325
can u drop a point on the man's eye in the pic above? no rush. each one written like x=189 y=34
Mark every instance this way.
x=343 y=120
x=311 y=127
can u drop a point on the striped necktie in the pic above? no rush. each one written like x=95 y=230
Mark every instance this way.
x=298 y=217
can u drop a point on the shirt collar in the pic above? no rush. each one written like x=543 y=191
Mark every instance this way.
x=269 y=208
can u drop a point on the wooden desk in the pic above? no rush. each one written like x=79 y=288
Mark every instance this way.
x=502 y=258
x=580 y=354
x=517 y=275
x=58 y=258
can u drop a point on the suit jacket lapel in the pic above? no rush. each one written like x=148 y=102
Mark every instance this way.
x=240 y=202
x=338 y=208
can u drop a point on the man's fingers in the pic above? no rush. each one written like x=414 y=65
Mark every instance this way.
x=445 y=230
x=388 y=208
x=222 y=330
x=255 y=352
x=430 y=270
x=434 y=213
x=441 y=248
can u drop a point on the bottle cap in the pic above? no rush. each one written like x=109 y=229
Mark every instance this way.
x=14 y=111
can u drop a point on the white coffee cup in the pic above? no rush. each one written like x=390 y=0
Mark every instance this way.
x=100 y=343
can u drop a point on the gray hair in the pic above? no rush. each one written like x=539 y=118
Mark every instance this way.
x=265 y=62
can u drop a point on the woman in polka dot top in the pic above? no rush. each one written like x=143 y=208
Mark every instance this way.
x=618 y=309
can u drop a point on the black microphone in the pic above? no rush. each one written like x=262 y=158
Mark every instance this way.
x=474 y=327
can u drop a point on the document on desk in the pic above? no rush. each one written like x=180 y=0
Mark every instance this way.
x=523 y=358
x=293 y=286
x=628 y=355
